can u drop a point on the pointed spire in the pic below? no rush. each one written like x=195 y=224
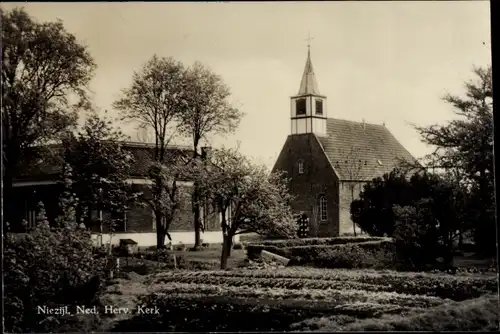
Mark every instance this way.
x=308 y=85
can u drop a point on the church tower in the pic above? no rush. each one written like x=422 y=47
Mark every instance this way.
x=308 y=107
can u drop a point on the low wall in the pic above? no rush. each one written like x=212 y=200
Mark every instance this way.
x=149 y=239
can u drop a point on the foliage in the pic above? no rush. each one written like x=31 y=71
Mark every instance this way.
x=67 y=200
x=416 y=236
x=96 y=171
x=422 y=211
x=52 y=267
x=317 y=241
x=466 y=144
x=374 y=254
x=44 y=71
x=372 y=211
x=259 y=202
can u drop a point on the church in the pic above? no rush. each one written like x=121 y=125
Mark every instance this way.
x=328 y=160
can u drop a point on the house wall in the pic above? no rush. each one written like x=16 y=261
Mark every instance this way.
x=318 y=178
x=346 y=198
x=26 y=200
x=139 y=218
x=149 y=239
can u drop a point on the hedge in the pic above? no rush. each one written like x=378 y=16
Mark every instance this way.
x=318 y=241
x=369 y=254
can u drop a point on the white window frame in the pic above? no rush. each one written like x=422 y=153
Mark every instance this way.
x=323 y=208
x=300 y=164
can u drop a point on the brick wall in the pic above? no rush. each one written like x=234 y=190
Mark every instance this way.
x=317 y=179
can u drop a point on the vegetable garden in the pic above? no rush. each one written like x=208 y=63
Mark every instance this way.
x=313 y=299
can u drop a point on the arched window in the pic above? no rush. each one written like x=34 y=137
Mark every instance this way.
x=322 y=208
x=300 y=164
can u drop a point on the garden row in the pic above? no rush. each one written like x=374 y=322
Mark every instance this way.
x=450 y=287
x=481 y=314
x=202 y=307
x=260 y=300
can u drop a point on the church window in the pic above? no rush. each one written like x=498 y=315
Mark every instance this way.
x=301 y=166
x=319 y=107
x=322 y=208
x=300 y=106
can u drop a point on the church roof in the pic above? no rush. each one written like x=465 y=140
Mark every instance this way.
x=361 y=151
x=308 y=84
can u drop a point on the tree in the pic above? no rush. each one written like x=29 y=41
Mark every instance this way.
x=67 y=199
x=44 y=74
x=352 y=168
x=372 y=211
x=155 y=100
x=258 y=202
x=168 y=200
x=467 y=143
x=208 y=111
x=99 y=170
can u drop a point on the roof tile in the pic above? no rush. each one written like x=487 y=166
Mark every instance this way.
x=362 y=151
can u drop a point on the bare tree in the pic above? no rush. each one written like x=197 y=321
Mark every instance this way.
x=155 y=100
x=208 y=111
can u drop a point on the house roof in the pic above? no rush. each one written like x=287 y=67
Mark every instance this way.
x=51 y=162
x=362 y=151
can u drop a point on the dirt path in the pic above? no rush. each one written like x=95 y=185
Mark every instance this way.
x=125 y=293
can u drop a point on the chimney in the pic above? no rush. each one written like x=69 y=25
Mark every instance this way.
x=364 y=127
x=383 y=124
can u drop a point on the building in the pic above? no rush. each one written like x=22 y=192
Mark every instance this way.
x=39 y=182
x=328 y=160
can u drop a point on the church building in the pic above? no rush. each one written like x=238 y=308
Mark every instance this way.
x=328 y=160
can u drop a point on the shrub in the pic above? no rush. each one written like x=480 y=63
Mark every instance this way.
x=52 y=267
x=318 y=241
x=238 y=246
x=417 y=237
x=354 y=256
x=370 y=254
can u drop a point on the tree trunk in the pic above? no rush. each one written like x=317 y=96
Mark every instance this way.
x=160 y=230
x=352 y=199
x=7 y=197
x=226 y=249
x=196 y=211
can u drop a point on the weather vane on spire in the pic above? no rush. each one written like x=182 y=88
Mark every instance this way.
x=309 y=39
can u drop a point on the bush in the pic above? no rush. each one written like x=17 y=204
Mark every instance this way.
x=238 y=246
x=52 y=267
x=370 y=254
x=417 y=237
x=318 y=241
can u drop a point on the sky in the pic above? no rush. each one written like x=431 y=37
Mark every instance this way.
x=382 y=62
